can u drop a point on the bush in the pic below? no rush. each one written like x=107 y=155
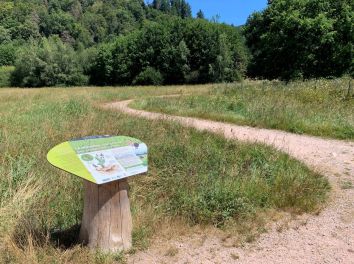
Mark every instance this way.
x=5 y=74
x=149 y=76
x=48 y=63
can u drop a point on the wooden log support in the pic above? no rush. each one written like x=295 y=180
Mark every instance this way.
x=107 y=222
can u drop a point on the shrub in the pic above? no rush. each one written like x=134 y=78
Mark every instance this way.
x=48 y=63
x=5 y=74
x=149 y=76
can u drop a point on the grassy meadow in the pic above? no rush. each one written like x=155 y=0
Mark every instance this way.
x=195 y=179
x=319 y=107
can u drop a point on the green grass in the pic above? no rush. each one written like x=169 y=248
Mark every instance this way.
x=5 y=73
x=317 y=108
x=194 y=178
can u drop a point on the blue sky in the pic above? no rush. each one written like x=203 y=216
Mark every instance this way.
x=230 y=11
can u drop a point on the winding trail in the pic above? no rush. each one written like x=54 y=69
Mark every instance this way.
x=326 y=238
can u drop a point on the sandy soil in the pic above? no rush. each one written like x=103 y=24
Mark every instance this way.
x=325 y=238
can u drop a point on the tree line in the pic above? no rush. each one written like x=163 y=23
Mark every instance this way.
x=172 y=51
x=295 y=39
x=125 y=42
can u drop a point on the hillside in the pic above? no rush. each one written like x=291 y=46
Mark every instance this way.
x=117 y=43
x=121 y=42
x=77 y=22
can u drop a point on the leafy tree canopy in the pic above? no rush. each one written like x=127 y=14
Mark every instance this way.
x=301 y=39
x=172 y=51
x=49 y=62
x=76 y=21
x=124 y=42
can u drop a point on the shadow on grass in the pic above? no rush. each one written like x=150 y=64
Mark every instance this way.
x=65 y=239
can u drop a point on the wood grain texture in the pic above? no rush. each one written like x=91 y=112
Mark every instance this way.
x=107 y=222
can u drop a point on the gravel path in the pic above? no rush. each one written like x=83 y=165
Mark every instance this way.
x=326 y=238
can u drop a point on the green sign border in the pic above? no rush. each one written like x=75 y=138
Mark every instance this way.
x=64 y=157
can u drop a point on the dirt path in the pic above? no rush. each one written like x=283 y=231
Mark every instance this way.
x=326 y=238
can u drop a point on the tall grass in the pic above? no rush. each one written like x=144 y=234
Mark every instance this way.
x=194 y=178
x=319 y=107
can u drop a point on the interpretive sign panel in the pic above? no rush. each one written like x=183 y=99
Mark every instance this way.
x=101 y=159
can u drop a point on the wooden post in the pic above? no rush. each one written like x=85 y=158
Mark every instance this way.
x=107 y=222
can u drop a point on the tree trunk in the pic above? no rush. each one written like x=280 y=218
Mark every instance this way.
x=107 y=222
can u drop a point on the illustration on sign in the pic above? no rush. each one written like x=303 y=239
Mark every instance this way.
x=101 y=159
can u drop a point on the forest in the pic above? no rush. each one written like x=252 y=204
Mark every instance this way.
x=131 y=42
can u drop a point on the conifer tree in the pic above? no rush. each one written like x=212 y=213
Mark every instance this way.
x=200 y=14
